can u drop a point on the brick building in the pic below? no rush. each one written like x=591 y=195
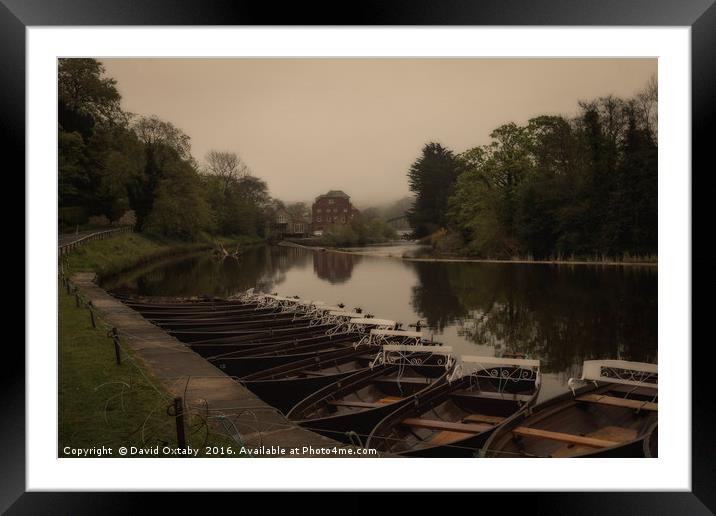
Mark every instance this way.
x=283 y=224
x=332 y=208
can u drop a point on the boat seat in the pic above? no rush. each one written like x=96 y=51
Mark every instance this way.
x=610 y=433
x=390 y=399
x=318 y=373
x=465 y=428
x=357 y=404
x=618 y=402
x=446 y=437
x=482 y=418
x=365 y=404
x=525 y=398
x=594 y=442
x=421 y=380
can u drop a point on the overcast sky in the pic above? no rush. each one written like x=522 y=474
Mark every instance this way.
x=306 y=126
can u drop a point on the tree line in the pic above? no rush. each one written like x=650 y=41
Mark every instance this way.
x=556 y=187
x=111 y=161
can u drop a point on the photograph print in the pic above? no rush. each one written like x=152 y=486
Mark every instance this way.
x=357 y=257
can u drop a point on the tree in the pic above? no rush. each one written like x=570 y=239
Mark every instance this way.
x=297 y=209
x=431 y=178
x=157 y=134
x=227 y=166
x=164 y=147
x=85 y=96
x=485 y=198
x=584 y=186
x=180 y=209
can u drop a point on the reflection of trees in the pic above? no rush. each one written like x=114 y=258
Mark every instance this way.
x=434 y=297
x=334 y=267
x=262 y=268
x=562 y=315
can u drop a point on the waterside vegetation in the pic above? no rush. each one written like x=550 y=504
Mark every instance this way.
x=556 y=188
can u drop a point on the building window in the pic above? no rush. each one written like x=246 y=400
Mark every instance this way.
x=343 y=219
x=318 y=219
x=345 y=210
x=318 y=210
x=331 y=201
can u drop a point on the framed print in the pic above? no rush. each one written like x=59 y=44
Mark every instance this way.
x=434 y=236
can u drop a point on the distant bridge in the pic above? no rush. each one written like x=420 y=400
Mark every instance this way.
x=398 y=220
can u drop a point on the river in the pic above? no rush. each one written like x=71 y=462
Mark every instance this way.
x=560 y=314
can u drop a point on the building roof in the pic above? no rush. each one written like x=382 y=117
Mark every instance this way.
x=334 y=193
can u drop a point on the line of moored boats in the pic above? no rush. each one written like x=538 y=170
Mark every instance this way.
x=369 y=382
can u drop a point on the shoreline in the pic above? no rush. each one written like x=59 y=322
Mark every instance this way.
x=608 y=263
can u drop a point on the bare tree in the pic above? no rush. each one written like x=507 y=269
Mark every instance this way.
x=647 y=102
x=153 y=131
x=227 y=166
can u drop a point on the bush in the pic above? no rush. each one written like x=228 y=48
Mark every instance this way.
x=359 y=232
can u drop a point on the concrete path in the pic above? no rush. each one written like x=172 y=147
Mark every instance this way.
x=205 y=388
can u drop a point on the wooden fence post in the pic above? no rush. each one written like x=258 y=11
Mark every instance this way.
x=91 y=311
x=115 y=339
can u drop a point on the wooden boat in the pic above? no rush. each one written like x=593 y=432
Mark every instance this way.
x=277 y=333
x=218 y=323
x=300 y=343
x=240 y=359
x=608 y=417
x=284 y=386
x=454 y=419
x=202 y=333
x=243 y=363
x=162 y=301
x=175 y=313
x=348 y=409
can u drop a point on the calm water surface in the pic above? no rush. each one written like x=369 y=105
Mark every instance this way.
x=561 y=315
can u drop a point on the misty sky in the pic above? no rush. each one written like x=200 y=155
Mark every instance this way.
x=306 y=126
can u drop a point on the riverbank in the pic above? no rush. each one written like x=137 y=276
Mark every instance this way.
x=119 y=254
x=458 y=259
x=102 y=405
x=105 y=406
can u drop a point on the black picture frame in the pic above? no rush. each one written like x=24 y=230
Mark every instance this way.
x=699 y=15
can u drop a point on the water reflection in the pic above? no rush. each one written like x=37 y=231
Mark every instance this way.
x=561 y=315
x=334 y=267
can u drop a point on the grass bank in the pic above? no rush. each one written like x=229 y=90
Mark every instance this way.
x=121 y=253
x=446 y=247
x=105 y=404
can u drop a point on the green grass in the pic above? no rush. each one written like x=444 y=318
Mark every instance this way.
x=120 y=253
x=103 y=404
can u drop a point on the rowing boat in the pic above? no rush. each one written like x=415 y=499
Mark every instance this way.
x=352 y=406
x=243 y=363
x=259 y=347
x=610 y=415
x=454 y=419
x=285 y=385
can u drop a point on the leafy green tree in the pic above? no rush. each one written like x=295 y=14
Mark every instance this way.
x=86 y=96
x=165 y=146
x=557 y=187
x=180 y=209
x=431 y=178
